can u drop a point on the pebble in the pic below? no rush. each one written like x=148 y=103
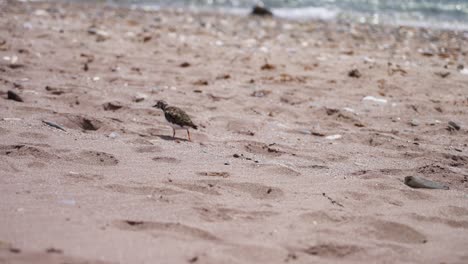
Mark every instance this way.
x=333 y=137
x=139 y=97
x=354 y=73
x=112 y=106
x=14 y=96
x=375 y=99
x=259 y=10
x=419 y=182
x=414 y=123
x=113 y=135
x=454 y=125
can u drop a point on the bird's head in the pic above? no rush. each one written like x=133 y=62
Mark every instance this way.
x=160 y=104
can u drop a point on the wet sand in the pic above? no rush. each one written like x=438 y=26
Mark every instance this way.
x=306 y=133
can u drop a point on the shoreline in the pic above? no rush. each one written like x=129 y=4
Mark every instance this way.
x=306 y=134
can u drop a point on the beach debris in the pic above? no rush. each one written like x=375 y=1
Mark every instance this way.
x=14 y=96
x=193 y=259
x=368 y=60
x=354 y=73
x=419 y=182
x=261 y=10
x=267 y=66
x=426 y=52
x=260 y=93
x=200 y=82
x=464 y=71
x=139 y=97
x=351 y=110
x=113 y=135
x=185 y=64
x=453 y=126
x=11 y=119
x=101 y=35
x=223 y=76
x=112 y=106
x=375 y=99
x=54 y=251
x=54 y=125
x=55 y=90
x=414 y=123
x=442 y=74
x=317 y=134
x=392 y=69
x=333 y=137
x=332 y=200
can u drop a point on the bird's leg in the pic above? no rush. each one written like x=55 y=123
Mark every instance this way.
x=188 y=133
x=173 y=132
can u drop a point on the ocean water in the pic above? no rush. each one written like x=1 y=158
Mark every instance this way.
x=451 y=14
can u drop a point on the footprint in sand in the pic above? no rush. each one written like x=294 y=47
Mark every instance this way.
x=90 y=157
x=329 y=216
x=332 y=250
x=83 y=177
x=33 y=135
x=204 y=188
x=148 y=149
x=455 y=211
x=214 y=174
x=221 y=214
x=140 y=190
x=262 y=148
x=12 y=254
x=393 y=231
x=257 y=191
x=21 y=150
x=439 y=220
x=166 y=160
x=158 y=228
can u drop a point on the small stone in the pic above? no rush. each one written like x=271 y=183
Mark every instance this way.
x=112 y=106
x=453 y=125
x=113 y=135
x=227 y=163
x=236 y=156
x=139 y=97
x=414 y=123
x=374 y=99
x=354 y=73
x=260 y=10
x=14 y=96
x=261 y=93
x=334 y=137
x=419 y=182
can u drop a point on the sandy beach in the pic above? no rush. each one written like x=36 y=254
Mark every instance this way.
x=306 y=132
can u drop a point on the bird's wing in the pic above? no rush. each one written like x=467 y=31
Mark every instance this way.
x=178 y=116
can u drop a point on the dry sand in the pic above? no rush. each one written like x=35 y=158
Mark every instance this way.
x=266 y=179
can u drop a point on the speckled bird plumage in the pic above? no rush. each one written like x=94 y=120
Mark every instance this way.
x=176 y=116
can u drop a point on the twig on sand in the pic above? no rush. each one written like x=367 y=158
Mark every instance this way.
x=54 y=125
x=332 y=201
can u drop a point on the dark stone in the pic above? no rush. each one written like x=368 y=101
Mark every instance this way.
x=258 y=10
x=354 y=73
x=14 y=96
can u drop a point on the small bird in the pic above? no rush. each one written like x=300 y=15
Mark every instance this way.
x=176 y=117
